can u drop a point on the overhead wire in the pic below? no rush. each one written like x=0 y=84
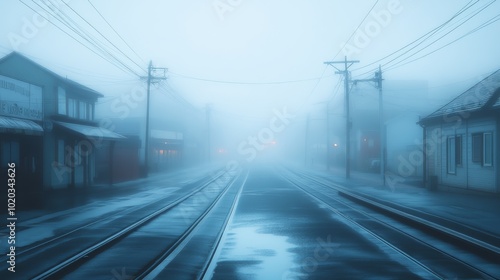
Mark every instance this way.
x=483 y=25
x=441 y=37
x=71 y=36
x=346 y=42
x=82 y=32
x=100 y=33
x=355 y=30
x=90 y=45
x=245 y=83
x=77 y=29
x=116 y=32
x=421 y=38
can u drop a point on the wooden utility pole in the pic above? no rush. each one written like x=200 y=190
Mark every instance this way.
x=347 y=64
x=209 y=144
x=152 y=77
x=378 y=81
x=306 y=144
x=378 y=76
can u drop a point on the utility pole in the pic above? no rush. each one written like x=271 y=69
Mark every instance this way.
x=378 y=81
x=152 y=77
x=378 y=76
x=306 y=144
x=347 y=64
x=209 y=149
x=327 y=138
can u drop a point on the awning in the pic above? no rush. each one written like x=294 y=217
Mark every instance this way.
x=93 y=132
x=15 y=125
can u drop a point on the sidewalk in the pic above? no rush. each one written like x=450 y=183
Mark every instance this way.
x=478 y=210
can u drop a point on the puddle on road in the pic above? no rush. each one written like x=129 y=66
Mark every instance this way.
x=254 y=255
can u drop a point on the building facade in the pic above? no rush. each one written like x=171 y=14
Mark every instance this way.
x=461 y=141
x=47 y=126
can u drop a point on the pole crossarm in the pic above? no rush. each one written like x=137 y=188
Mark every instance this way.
x=377 y=79
x=153 y=77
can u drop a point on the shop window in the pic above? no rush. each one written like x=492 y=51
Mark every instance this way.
x=9 y=152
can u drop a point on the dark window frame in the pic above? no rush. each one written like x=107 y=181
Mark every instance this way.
x=486 y=154
x=451 y=163
x=480 y=153
x=458 y=150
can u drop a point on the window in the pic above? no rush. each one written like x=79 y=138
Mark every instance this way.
x=482 y=148
x=487 y=149
x=458 y=150
x=90 y=115
x=83 y=110
x=477 y=147
x=72 y=108
x=451 y=160
x=61 y=101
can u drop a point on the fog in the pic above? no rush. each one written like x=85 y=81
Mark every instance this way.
x=238 y=139
x=247 y=79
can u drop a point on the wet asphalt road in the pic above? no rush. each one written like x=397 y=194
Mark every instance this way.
x=278 y=232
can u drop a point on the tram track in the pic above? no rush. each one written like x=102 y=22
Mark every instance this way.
x=419 y=250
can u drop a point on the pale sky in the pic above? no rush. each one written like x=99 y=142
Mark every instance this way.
x=246 y=57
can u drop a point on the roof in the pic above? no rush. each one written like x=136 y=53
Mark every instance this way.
x=52 y=73
x=21 y=126
x=482 y=96
x=92 y=132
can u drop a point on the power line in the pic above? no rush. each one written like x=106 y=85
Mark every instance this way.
x=71 y=36
x=97 y=42
x=246 y=83
x=77 y=29
x=438 y=39
x=355 y=30
x=423 y=37
x=179 y=98
x=78 y=14
x=116 y=32
x=117 y=63
x=483 y=25
x=70 y=23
